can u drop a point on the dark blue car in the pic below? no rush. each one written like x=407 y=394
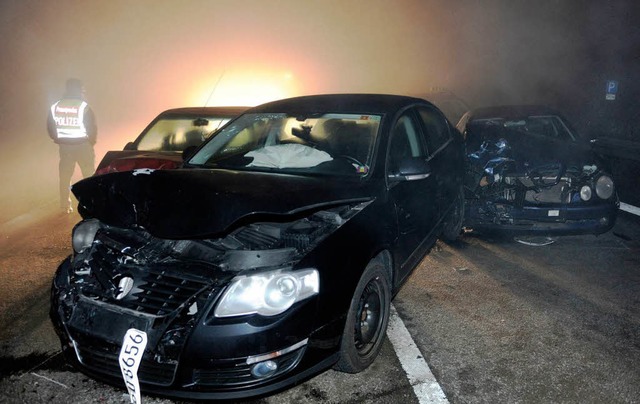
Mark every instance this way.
x=529 y=173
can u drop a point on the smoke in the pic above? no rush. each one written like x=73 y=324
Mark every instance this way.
x=139 y=58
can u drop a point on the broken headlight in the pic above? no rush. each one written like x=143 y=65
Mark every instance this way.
x=267 y=293
x=604 y=187
x=84 y=233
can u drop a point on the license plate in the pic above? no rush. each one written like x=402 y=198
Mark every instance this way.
x=133 y=345
x=101 y=321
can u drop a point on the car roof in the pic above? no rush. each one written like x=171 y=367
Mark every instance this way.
x=189 y=112
x=353 y=103
x=512 y=112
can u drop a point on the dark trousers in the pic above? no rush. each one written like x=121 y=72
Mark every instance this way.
x=70 y=154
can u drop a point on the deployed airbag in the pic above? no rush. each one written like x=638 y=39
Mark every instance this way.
x=288 y=156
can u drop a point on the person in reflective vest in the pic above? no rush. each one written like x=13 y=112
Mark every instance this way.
x=72 y=126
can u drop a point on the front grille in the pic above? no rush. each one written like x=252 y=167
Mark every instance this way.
x=102 y=357
x=159 y=286
x=230 y=375
x=165 y=289
x=558 y=193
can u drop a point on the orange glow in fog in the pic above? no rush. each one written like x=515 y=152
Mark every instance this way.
x=244 y=88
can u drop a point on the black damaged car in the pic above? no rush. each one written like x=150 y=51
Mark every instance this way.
x=271 y=255
x=529 y=173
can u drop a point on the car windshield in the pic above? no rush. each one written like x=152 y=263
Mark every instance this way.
x=176 y=134
x=548 y=126
x=331 y=143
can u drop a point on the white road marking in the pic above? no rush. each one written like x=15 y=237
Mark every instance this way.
x=425 y=385
x=51 y=380
x=634 y=210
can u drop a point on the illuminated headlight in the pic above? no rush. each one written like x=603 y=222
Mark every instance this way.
x=268 y=293
x=604 y=187
x=585 y=193
x=84 y=233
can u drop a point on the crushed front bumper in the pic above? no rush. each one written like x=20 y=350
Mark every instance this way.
x=186 y=357
x=550 y=220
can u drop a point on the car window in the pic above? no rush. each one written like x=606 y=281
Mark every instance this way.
x=178 y=134
x=405 y=142
x=436 y=129
x=549 y=126
x=323 y=143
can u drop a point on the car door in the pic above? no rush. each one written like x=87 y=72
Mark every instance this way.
x=443 y=158
x=412 y=196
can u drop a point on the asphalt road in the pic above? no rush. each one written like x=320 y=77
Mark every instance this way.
x=497 y=322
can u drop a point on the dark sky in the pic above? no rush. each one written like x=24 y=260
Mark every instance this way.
x=139 y=57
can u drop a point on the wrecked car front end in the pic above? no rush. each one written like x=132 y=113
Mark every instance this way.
x=228 y=315
x=523 y=181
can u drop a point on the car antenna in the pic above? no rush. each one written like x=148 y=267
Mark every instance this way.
x=206 y=104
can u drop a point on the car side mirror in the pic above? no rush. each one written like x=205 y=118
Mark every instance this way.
x=130 y=146
x=188 y=152
x=411 y=169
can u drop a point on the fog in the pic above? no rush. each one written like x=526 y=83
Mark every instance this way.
x=137 y=58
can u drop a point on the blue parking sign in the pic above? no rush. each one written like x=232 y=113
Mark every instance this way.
x=612 y=90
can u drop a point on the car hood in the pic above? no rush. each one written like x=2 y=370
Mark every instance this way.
x=193 y=203
x=127 y=160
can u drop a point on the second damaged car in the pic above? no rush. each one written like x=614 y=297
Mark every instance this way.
x=529 y=173
x=272 y=255
x=162 y=144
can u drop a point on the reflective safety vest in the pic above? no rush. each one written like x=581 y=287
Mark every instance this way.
x=68 y=115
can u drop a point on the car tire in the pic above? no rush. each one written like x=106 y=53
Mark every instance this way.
x=367 y=320
x=455 y=218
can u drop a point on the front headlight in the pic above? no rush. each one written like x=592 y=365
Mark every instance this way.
x=84 y=233
x=604 y=187
x=268 y=293
x=585 y=193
